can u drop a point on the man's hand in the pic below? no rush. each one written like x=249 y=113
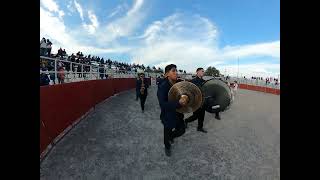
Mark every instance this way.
x=184 y=99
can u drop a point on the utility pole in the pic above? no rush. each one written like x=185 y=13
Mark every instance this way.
x=238 y=70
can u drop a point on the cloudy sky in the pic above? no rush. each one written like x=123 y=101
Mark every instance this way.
x=188 y=33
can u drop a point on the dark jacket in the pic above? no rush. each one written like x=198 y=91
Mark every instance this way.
x=138 y=86
x=198 y=81
x=44 y=80
x=168 y=114
x=160 y=80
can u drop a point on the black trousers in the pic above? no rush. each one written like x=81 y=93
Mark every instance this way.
x=170 y=134
x=198 y=114
x=142 y=100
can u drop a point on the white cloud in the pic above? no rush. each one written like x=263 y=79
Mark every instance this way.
x=188 y=41
x=116 y=11
x=52 y=6
x=192 y=41
x=91 y=28
x=123 y=26
x=255 y=69
x=54 y=28
x=79 y=9
x=70 y=7
x=271 y=49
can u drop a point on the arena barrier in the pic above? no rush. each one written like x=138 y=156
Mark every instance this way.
x=260 y=88
x=62 y=106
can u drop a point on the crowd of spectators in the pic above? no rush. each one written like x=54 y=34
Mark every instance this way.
x=45 y=47
x=73 y=63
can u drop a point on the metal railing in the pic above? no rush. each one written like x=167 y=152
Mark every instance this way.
x=74 y=72
x=256 y=82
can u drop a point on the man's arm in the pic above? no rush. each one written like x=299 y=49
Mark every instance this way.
x=167 y=105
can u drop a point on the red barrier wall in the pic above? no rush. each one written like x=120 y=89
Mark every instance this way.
x=260 y=88
x=61 y=105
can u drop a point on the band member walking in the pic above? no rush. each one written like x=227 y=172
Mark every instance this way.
x=142 y=84
x=169 y=117
x=200 y=113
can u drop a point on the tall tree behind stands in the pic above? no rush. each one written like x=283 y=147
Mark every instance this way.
x=212 y=71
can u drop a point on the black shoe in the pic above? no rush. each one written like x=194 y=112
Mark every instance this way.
x=168 y=151
x=142 y=111
x=218 y=117
x=202 y=130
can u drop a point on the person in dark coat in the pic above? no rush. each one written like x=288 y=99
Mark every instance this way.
x=200 y=113
x=169 y=117
x=137 y=88
x=161 y=79
x=142 y=85
x=44 y=79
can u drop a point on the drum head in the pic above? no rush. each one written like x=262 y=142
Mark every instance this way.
x=217 y=96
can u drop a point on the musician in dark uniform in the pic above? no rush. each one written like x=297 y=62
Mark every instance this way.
x=169 y=117
x=200 y=113
x=142 y=85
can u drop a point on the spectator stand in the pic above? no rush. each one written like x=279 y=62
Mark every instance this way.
x=56 y=68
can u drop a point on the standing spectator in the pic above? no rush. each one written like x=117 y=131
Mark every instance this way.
x=43 y=47
x=235 y=87
x=59 y=54
x=49 y=44
x=61 y=75
x=101 y=71
x=79 y=69
x=64 y=53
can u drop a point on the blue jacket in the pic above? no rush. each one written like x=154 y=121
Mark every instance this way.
x=138 y=86
x=168 y=114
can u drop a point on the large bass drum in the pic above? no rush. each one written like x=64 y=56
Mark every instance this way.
x=217 y=95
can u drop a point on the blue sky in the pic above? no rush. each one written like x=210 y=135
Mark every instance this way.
x=189 y=33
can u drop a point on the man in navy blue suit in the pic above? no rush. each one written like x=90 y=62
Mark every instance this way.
x=170 y=118
x=142 y=94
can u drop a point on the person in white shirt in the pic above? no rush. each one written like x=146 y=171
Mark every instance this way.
x=235 y=86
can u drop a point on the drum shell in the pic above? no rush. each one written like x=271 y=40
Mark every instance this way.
x=216 y=92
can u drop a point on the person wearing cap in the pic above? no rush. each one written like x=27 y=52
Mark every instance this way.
x=170 y=118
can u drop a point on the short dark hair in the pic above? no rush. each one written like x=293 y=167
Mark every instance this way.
x=169 y=67
x=200 y=68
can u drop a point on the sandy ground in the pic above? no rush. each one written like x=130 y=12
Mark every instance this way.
x=117 y=141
